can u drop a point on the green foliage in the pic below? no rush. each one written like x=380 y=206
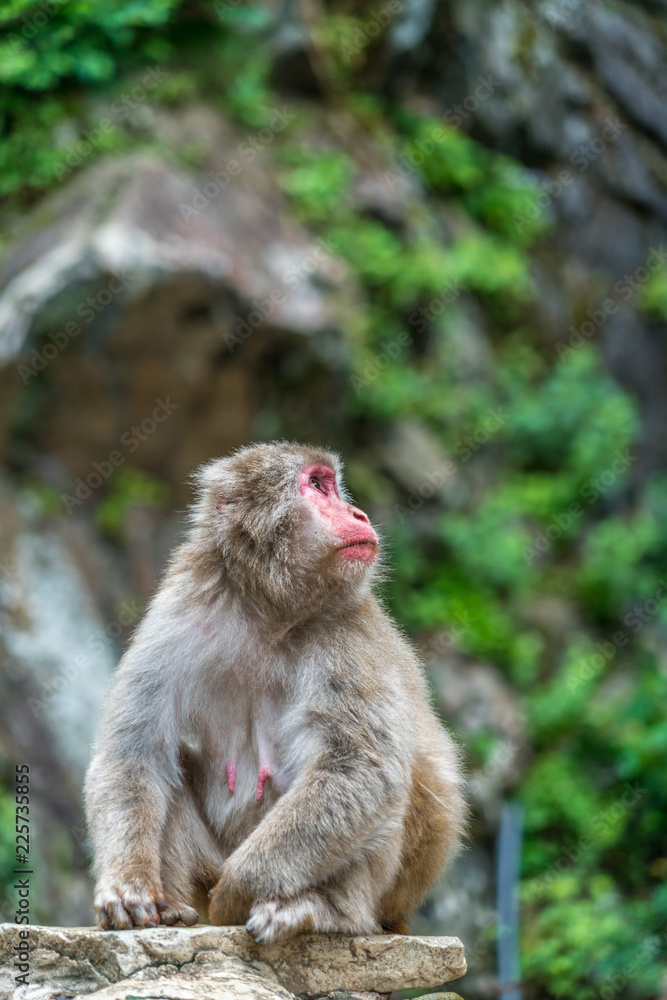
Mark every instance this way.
x=583 y=926
x=317 y=180
x=46 y=45
x=42 y=500
x=654 y=294
x=492 y=188
x=53 y=56
x=7 y=841
x=403 y=271
x=596 y=708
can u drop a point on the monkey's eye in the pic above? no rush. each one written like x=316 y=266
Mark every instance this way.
x=314 y=481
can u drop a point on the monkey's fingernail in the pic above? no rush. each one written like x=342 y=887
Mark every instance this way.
x=210 y=892
x=250 y=928
x=259 y=939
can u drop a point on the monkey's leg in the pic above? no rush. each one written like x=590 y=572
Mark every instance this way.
x=191 y=860
x=432 y=832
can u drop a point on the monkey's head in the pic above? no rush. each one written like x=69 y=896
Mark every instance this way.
x=279 y=521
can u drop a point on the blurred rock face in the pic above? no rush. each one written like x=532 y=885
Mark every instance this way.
x=577 y=91
x=154 y=319
x=56 y=657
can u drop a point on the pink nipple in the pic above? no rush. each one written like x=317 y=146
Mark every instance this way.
x=264 y=773
x=231 y=775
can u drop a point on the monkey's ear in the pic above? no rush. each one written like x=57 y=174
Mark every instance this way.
x=215 y=478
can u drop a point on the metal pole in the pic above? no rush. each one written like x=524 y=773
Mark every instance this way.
x=507 y=900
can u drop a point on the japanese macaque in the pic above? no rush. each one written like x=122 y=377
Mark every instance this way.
x=268 y=754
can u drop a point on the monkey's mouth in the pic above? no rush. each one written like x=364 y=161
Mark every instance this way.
x=364 y=548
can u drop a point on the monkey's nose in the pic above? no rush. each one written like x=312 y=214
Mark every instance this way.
x=359 y=515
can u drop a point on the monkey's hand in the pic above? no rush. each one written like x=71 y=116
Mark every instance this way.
x=121 y=904
x=274 y=920
x=278 y=917
x=267 y=920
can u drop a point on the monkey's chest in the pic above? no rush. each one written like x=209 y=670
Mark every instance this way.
x=254 y=768
x=247 y=768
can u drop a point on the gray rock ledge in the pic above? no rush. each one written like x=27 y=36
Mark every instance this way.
x=220 y=963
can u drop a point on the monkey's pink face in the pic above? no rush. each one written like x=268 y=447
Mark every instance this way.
x=353 y=538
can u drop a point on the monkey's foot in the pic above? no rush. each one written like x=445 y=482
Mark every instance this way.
x=272 y=920
x=172 y=912
x=397 y=928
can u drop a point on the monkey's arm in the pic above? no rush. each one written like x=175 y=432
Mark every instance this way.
x=352 y=787
x=127 y=794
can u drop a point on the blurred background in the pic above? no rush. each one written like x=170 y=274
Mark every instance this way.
x=431 y=234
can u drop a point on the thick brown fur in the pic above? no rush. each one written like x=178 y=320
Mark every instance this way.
x=268 y=754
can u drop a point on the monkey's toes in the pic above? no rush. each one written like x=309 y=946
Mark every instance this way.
x=171 y=912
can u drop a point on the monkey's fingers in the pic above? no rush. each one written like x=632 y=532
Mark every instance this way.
x=113 y=917
x=145 y=915
x=171 y=912
x=273 y=920
x=263 y=923
x=124 y=905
